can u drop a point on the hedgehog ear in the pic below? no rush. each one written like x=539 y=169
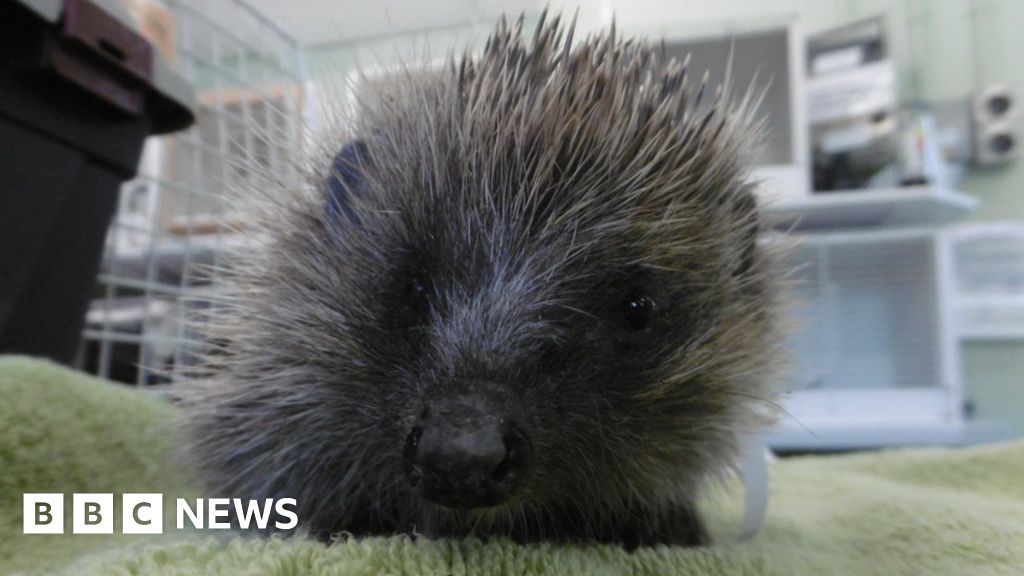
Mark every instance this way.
x=744 y=213
x=345 y=179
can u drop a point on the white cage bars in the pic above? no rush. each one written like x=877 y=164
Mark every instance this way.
x=171 y=224
x=876 y=358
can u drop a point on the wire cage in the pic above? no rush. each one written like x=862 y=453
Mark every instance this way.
x=173 y=223
x=875 y=361
x=871 y=314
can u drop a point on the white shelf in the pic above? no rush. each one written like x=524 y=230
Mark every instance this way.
x=830 y=436
x=986 y=334
x=871 y=208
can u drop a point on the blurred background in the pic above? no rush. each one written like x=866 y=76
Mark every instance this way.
x=129 y=125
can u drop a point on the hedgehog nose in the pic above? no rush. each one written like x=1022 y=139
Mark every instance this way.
x=463 y=454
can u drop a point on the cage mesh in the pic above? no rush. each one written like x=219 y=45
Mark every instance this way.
x=173 y=224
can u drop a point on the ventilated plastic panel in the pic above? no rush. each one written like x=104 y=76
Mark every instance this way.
x=988 y=280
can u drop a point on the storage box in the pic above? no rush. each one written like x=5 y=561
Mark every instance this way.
x=80 y=90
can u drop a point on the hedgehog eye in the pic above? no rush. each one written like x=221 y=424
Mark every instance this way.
x=418 y=287
x=418 y=293
x=639 y=311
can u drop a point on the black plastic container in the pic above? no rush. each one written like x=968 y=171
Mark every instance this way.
x=79 y=93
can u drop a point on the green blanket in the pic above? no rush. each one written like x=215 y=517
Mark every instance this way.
x=956 y=512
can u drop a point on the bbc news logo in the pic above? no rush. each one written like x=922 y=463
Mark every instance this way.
x=143 y=513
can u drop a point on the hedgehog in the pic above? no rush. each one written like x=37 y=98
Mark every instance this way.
x=520 y=297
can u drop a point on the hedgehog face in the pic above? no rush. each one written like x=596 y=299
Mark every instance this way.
x=524 y=358
x=519 y=365
x=526 y=298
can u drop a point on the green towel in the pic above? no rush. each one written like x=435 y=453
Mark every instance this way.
x=933 y=512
